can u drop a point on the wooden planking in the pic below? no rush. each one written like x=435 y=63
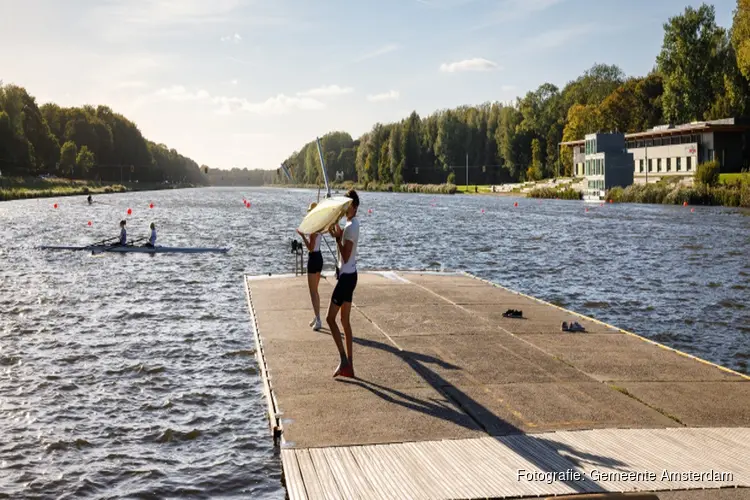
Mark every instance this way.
x=488 y=467
x=293 y=477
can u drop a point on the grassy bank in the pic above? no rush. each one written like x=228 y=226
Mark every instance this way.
x=17 y=188
x=377 y=187
x=735 y=195
x=562 y=193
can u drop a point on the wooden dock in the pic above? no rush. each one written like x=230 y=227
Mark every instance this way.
x=453 y=400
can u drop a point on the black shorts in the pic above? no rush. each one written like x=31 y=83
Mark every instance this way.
x=314 y=262
x=344 y=288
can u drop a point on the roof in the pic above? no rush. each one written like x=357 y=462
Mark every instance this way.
x=723 y=125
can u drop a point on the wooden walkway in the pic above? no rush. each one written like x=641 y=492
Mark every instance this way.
x=452 y=400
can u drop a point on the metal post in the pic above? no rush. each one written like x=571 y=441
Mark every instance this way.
x=645 y=143
x=467 y=171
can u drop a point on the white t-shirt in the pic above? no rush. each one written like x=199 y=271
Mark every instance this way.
x=316 y=247
x=351 y=233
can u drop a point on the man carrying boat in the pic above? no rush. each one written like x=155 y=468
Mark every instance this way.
x=346 y=241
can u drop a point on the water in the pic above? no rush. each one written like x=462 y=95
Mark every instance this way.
x=134 y=376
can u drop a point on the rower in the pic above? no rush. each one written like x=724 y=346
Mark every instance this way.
x=90 y=200
x=123 y=235
x=152 y=240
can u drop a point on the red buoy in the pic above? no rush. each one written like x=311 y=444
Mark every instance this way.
x=587 y=209
x=684 y=203
x=515 y=204
x=369 y=211
x=692 y=210
x=610 y=200
x=151 y=205
x=55 y=205
x=130 y=211
x=89 y=223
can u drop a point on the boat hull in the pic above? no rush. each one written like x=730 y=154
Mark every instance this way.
x=134 y=249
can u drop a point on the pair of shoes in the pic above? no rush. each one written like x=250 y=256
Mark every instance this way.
x=316 y=325
x=574 y=326
x=512 y=313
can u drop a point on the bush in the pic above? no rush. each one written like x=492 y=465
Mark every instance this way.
x=552 y=193
x=708 y=173
x=452 y=178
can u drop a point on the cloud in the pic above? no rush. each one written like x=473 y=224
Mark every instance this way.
x=278 y=105
x=475 y=64
x=236 y=38
x=234 y=82
x=327 y=91
x=385 y=49
x=512 y=10
x=507 y=88
x=391 y=95
x=181 y=94
x=251 y=136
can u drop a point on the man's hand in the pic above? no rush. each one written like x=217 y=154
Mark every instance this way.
x=337 y=232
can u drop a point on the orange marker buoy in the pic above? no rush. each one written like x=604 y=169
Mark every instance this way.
x=130 y=211
x=684 y=203
x=610 y=200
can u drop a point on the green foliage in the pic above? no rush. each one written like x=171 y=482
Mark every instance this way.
x=567 y=193
x=85 y=160
x=692 y=61
x=708 y=173
x=451 y=178
x=741 y=36
x=31 y=139
x=700 y=194
x=68 y=154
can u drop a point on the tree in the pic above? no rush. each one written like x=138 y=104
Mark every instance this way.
x=691 y=61
x=741 y=36
x=68 y=154
x=85 y=160
x=534 y=172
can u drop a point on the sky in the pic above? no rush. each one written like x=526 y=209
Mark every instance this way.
x=245 y=83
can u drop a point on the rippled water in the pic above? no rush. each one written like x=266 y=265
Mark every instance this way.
x=134 y=376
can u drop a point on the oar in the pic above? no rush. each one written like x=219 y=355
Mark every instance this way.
x=103 y=241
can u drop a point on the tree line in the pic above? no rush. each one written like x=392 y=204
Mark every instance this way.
x=86 y=142
x=701 y=73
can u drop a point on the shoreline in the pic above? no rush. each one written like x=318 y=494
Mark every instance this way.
x=26 y=189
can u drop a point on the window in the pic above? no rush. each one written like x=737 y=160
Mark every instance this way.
x=669 y=164
x=658 y=164
x=688 y=162
x=650 y=165
x=678 y=167
x=641 y=166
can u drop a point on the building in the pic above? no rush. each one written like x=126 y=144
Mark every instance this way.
x=675 y=151
x=606 y=163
